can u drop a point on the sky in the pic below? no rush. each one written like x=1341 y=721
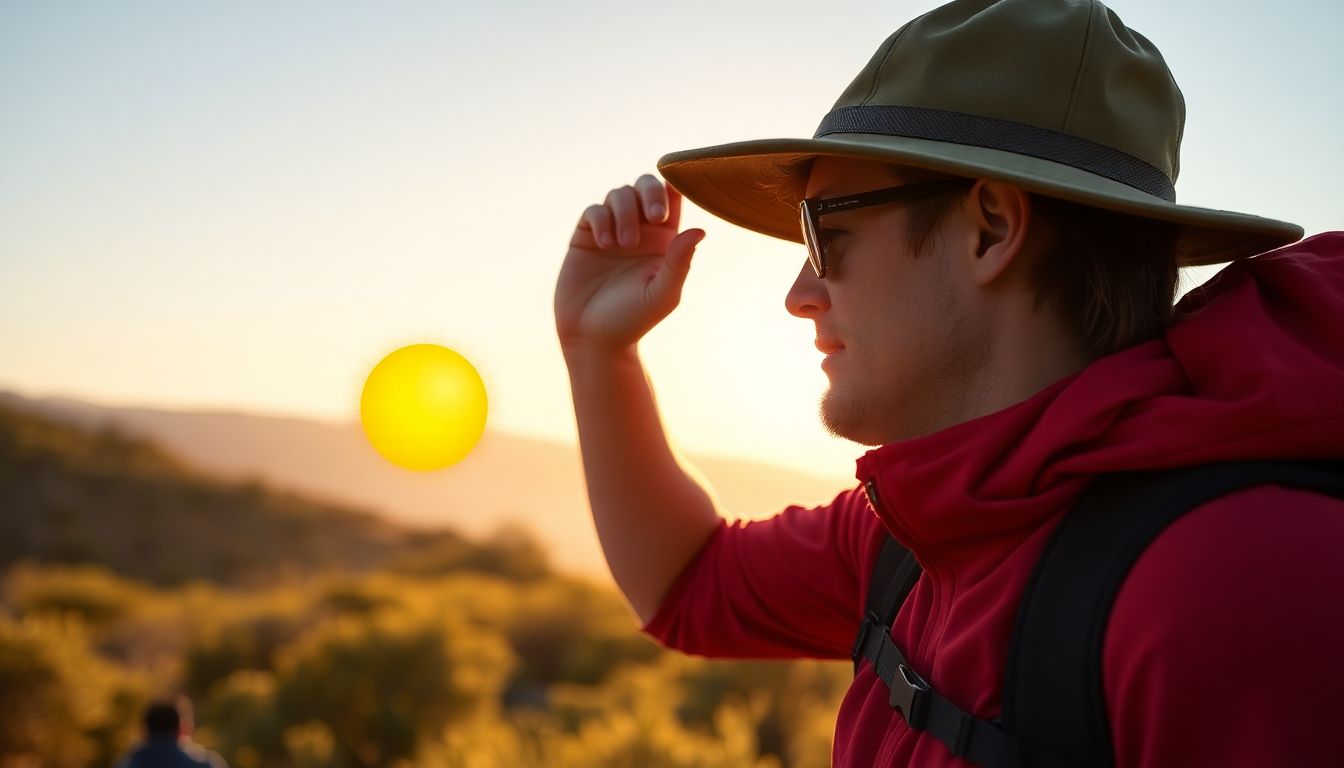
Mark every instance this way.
x=245 y=206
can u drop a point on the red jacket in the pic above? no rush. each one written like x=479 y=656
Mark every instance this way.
x=1226 y=643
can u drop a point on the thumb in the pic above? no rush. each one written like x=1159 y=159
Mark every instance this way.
x=676 y=264
x=681 y=248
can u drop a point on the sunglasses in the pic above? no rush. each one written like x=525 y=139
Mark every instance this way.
x=810 y=210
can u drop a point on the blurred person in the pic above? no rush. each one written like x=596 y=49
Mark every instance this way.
x=168 y=725
x=992 y=250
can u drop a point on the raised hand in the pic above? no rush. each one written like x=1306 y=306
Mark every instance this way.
x=625 y=267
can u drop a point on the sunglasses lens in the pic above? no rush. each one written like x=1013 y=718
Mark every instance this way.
x=810 y=239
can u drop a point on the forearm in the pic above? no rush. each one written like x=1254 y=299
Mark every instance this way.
x=651 y=515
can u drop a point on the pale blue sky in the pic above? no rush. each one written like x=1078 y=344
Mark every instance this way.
x=246 y=205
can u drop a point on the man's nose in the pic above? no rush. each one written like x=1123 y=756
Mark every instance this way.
x=807 y=298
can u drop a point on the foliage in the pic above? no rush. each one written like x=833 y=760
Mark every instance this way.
x=378 y=684
x=510 y=552
x=241 y=719
x=567 y=631
x=311 y=636
x=61 y=705
x=91 y=594
x=384 y=669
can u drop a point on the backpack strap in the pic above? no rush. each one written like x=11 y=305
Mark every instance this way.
x=1053 y=687
x=894 y=575
x=924 y=709
x=1054 y=706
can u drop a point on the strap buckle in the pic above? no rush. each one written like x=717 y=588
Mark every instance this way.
x=869 y=622
x=910 y=694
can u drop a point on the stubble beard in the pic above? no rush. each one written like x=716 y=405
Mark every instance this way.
x=849 y=417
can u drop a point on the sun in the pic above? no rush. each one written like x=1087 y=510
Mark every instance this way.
x=423 y=407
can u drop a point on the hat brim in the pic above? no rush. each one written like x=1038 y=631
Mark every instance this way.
x=755 y=184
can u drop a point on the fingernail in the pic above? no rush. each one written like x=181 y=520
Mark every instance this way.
x=656 y=211
x=605 y=239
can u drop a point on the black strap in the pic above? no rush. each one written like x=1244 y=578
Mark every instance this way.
x=1054 y=706
x=1053 y=688
x=894 y=575
x=926 y=710
x=1006 y=135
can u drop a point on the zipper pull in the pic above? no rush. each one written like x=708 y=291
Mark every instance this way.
x=870 y=488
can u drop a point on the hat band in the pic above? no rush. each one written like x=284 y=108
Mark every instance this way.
x=1004 y=135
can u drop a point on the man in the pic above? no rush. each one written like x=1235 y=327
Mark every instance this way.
x=992 y=251
x=168 y=726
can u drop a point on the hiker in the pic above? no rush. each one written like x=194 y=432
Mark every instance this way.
x=992 y=241
x=168 y=725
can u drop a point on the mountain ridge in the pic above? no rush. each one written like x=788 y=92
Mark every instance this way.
x=77 y=496
x=507 y=480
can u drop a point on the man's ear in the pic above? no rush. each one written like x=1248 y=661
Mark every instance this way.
x=1000 y=216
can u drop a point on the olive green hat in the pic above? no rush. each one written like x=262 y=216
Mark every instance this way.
x=1058 y=97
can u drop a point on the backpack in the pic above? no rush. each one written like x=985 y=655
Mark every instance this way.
x=1054 y=707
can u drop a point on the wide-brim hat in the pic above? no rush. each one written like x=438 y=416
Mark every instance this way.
x=1058 y=97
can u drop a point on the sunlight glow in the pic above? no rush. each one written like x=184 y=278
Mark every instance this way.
x=423 y=407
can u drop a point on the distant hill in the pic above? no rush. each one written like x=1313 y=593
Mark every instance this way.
x=73 y=495
x=506 y=479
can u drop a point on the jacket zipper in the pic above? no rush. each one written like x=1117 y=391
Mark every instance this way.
x=887 y=749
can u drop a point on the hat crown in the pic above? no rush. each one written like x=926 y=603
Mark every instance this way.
x=1069 y=66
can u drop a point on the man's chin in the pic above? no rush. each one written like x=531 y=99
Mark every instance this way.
x=844 y=420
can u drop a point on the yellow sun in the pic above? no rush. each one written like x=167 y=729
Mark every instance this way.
x=423 y=407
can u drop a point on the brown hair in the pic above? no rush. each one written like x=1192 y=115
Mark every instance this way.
x=1109 y=277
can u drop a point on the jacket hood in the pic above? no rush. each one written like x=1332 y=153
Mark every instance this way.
x=1253 y=368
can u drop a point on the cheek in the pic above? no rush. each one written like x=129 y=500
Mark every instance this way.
x=913 y=322
x=898 y=307
x=902 y=344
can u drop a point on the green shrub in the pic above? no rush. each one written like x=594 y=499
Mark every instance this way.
x=60 y=705
x=380 y=685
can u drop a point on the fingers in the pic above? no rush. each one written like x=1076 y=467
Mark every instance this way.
x=662 y=202
x=624 y=207
x=597 y=219
x=618 y=220
x=653 y=198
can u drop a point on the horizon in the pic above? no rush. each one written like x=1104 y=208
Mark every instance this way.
x=332 y=462
x=233 y=411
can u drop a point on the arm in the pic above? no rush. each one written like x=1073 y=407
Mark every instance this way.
x=622 y=275
x=786 y=587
